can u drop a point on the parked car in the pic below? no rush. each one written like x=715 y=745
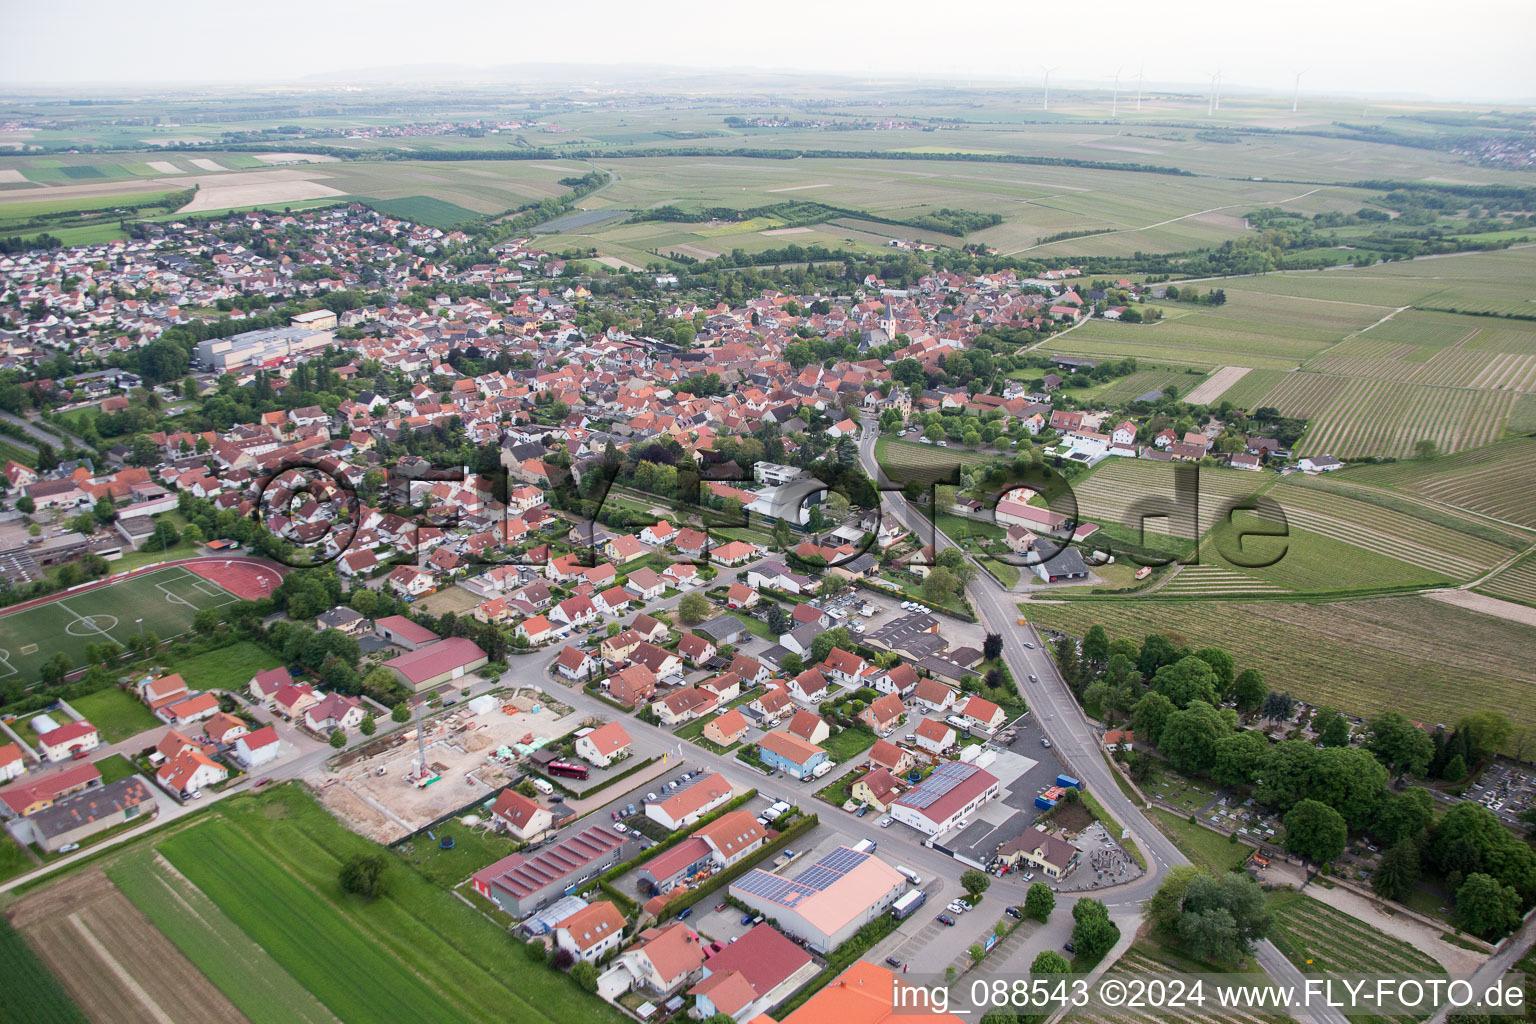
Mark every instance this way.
x=1014 y=913
x=885 y=822
x=894 y=961
x=1070 y=948
x=684 y=913
x=650 y=798
x=746 y=918
x=1045 y=743
x=721 y=906
x=862 y=811
x=69 y=848
x=1029 y=876
x=620 y=828
x=945 y=919
x=630 y=810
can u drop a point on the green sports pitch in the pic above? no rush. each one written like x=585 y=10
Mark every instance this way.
x=161 y=602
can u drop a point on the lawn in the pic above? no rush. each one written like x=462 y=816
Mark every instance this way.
x=227 y=668
x=1202 y=846
x=115 y=713
x=31 y=993
x=849 y=744
x=1007 y=575
x=115 y=767
x=270 y=863
x=757 y=627
x=247 y=974
x=473 y=849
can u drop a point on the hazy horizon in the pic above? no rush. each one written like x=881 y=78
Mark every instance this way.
x=1476 y=56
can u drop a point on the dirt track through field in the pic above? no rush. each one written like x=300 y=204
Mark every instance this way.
x=115 y=964
x=1216 y=385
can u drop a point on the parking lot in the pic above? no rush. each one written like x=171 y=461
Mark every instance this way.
x=1506 y=791
x=1025 y=769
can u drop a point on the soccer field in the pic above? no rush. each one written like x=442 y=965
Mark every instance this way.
x=162 y=602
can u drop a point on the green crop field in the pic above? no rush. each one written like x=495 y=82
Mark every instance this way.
x=116 y=713
x=269 y=863
x=225 y=668
x=164 y=601
x=426 y=210
x=31 y=994
x=907 y=460
x=247 y=974
x=1364 y=655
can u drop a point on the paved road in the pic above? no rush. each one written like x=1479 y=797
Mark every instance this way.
x=1062 y=718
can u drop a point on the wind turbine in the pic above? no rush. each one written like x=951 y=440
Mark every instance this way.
x=1296 y=95
x=1218 y=88
x=1045 y=103
x=1139 y=70
x=1210 y=99
x=1114 y=103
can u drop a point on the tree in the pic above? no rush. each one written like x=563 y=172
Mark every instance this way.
x=1487 y=732
x=1470 y=838
x=1403 y=816
x=975 y=951
x=205 y=620
x=1315 y=832
x=338 y=738
x=1277 y=706
x=1096 y=645
x=1039 y=901
x=823 y=644
x=992 y=646
x=562 y=959
x=1249 y=690
x=1093 y=933
x=940 y=585
x=1238 y=757
x=535 y=951
x=400 y=712
x=1165 y=906
x=1209 y=935
x=1048 y=961
x=26 y=505
x=975 y=882
x=1399 y=744
x=1150 y=716
x=368 y=724
x=1187 y=680
x=1189 y=737
x=1156 y=651
x=1398 y=870
x=584 y=973
x=1221 y=664
x=693 y=608
x=363 y=875
x=1486 y=907
x=164 y=537
x=1332 y=730
x=1455 y=769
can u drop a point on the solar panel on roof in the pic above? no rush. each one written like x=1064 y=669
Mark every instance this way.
x=944 y=778
x=843 y=859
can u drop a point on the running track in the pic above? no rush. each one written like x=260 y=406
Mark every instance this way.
x=242 y=584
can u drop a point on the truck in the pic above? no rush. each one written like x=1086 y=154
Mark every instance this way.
x=542 y=785
x=864 y=846
x=1068 y=782
x=909 y=902
x=909 y=874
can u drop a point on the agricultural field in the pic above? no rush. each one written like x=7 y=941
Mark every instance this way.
x=1145 y=379
x=1148 y=959
x=269 y=864
x=1277 y=332
x=31 y=994
x=1117 y=487
x=1515 y=583
x=1497 y=481
x=110 y=960
x=1354 y=416
x=1363 y=655
x=1319 y=939
x=928 y=463
x=242 y=970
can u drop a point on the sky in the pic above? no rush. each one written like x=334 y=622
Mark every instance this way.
x=1473 y=50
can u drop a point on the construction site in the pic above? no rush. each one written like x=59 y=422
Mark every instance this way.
x=441 y=764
